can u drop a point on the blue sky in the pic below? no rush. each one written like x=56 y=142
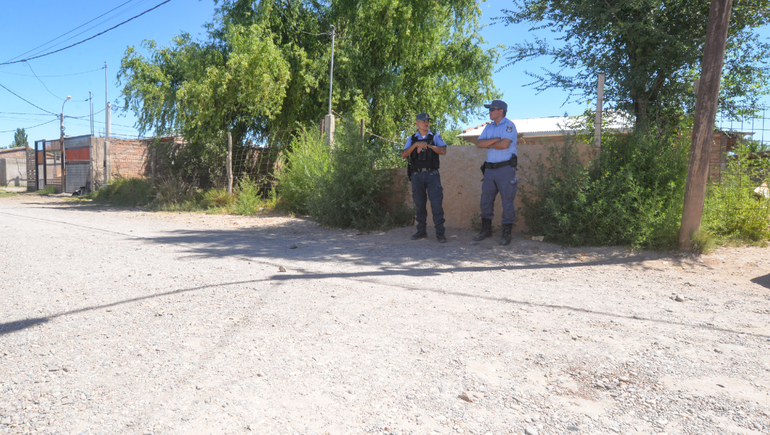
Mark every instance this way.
x=34 y=27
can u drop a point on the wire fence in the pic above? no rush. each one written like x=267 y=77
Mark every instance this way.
x=755 y=125
x=752 y=122
x=255 y=161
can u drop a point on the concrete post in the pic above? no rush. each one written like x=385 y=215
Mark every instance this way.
x=598 y=121
x=329 y=129
x=107 y=145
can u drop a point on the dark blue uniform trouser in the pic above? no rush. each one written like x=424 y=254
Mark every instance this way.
x=501 y=180
x=427 y=185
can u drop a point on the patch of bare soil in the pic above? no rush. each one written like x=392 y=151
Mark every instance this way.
x=126 y=321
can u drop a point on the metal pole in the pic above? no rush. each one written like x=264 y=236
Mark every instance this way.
x=61 y=127
x=331 y=74
x=91 y=109
x=106 y=130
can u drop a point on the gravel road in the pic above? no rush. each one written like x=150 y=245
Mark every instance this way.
x=120 y=321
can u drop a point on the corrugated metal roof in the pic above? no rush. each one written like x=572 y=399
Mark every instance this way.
x=548 y=126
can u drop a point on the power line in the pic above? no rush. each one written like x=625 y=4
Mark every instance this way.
x=38 y=79
x=373 y=134
x=83 y=116
x=27 y=101
x=30 y=128
x=48 y=76
x=65 y=34
x=21 y=113
x=87 y=39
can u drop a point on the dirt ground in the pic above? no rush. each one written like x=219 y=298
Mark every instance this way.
x=132 y=322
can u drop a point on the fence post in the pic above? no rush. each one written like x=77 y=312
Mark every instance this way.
x=229 y=163
x=329 y=130
x=598 y=121
x=153 y=156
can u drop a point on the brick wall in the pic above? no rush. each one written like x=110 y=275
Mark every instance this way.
x=135 y=158
x=722 y=144
x=14 y=153
x=130 y=158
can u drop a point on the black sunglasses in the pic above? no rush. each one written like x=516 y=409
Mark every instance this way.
x=492 y=109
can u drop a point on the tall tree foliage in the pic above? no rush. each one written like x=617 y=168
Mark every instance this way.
x=650 y=50
x=20 y=138
x=203 y=90
x=391 y=60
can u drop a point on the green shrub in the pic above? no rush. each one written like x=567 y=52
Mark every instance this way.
x=631 y=195
x=248 y=197
x=703 y=242
x=173 y=193
x=126 y=192
x=216 y=198
x=355 y=191
x=732 y=212
x=50 y=190
x=300 y=169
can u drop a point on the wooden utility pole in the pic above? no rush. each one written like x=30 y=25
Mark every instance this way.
x=705 y=114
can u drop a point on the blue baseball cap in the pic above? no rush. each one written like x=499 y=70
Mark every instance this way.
x=423 y=117
x=500 y=104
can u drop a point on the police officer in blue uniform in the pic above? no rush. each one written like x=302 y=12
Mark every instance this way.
x=422 y=150
x=499 y=139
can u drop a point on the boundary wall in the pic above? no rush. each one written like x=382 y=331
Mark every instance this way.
x=13 y=172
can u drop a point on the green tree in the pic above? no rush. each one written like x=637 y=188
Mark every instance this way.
x=392 y=60
x=650 y=50
x=203 y=91
x=20 y=138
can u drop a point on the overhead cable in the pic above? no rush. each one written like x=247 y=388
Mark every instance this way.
x=57 y=75
x=27 y=101
x=30 y=128
x=65 y=34
x=41 y=82
x=87 y=39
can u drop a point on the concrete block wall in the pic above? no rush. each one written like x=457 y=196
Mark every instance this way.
x=13 y=172
x=461 y=180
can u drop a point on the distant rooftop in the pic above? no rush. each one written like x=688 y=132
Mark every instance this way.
x=548 y=126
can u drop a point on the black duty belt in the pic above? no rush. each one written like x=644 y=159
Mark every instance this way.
x=488 y=165
x=424 y=169
x=514 y=161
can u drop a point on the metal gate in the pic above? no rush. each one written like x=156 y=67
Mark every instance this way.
x=77 y=163
x=48 y=164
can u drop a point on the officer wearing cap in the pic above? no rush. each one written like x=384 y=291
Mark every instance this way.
x=499 y=139
x=422 y=150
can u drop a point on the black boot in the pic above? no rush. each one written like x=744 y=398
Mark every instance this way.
x=419 y=235
x=486 y=230
x=505 y=238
